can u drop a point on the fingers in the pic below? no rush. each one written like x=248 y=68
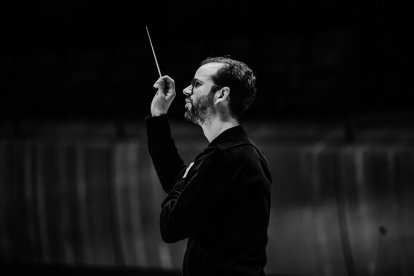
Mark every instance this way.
x=156 y=84
x=164 y=81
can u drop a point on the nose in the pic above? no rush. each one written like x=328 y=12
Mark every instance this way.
x=187 y=90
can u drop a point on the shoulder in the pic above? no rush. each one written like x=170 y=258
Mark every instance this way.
x=244 y=147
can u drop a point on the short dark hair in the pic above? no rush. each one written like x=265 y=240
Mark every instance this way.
x=239 y=78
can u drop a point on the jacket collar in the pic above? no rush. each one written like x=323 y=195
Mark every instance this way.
x=234 y=135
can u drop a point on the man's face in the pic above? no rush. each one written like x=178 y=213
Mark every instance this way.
x=199 y=99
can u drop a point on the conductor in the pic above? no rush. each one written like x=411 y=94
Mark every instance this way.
x=221 y=201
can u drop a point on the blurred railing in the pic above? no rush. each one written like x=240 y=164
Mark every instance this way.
x=83 y=197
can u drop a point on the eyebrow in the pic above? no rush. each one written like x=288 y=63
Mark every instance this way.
x=194 y=79
x=202 y=81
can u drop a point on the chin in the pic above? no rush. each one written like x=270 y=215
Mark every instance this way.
x=188 y=117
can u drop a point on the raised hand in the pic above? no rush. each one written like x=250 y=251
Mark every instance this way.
x=164 y=96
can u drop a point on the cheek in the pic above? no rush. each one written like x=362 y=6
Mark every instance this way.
x=195 y=98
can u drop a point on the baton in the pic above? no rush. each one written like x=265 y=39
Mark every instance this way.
x=153 y=52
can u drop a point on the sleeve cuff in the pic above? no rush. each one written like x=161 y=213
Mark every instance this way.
x=158 y=128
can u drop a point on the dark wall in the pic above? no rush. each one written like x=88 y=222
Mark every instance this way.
x=76 y=195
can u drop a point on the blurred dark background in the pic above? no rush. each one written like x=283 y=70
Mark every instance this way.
x=333 y=113
x=87 y=59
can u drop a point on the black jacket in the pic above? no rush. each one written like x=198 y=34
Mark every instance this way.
x=221 y=202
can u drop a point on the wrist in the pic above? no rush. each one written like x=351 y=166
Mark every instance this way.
x=158 y=113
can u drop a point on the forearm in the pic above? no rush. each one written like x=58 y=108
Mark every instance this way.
x=167 y=162
x=190 y=200
x=173 y=225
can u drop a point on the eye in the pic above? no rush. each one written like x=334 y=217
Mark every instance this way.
x=195 y=83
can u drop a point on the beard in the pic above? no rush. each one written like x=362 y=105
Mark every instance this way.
x=201 y=109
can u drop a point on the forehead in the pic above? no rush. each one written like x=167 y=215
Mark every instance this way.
x=207 y=70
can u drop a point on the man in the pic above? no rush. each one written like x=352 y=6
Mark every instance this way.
x=221 y=201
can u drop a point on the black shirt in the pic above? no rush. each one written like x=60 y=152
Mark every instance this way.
x=220 y=202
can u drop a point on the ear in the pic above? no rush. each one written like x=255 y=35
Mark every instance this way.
x=222 y=95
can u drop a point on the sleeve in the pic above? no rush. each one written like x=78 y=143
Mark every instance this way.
x=167 y=162
x=192 y=198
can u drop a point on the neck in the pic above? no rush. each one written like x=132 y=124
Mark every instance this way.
x=215 y=126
